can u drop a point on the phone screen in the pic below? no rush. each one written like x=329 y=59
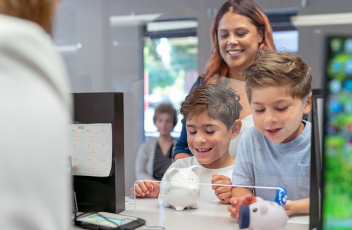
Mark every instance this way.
x=99 y=220
x=337 y=196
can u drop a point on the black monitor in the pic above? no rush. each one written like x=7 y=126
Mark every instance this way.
x=337 y=161
x=316 y=158
x=102 y=194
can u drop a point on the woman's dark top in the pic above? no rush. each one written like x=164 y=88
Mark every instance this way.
x=182 y=145
x=161 y=162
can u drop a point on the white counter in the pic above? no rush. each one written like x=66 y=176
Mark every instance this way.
x=207 y=216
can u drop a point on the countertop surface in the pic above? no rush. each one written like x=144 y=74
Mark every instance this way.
x=206 y=216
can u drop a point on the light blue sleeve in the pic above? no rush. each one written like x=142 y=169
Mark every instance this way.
x=243 y=172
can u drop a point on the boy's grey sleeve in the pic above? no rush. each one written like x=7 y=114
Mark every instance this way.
x=243 y=173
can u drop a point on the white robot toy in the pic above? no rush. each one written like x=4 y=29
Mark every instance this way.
x=262 y=215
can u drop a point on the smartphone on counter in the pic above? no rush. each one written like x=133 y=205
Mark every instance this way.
x=108 y=221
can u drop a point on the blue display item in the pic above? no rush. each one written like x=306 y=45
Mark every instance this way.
x=347 y=107
x=337 y=139
x=347 y=86
x=105 y=221
x=335 y=106
x=281 y=196
x=336 y=66
x=348 y=46
x=335 y=86
x=348 y=66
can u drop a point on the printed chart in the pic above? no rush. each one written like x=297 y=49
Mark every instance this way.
x=91 y=149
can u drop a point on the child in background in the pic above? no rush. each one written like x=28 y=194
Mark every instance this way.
x=212 y=120
x=277 y=150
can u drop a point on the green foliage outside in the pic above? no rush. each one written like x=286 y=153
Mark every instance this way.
x=163 y=75
x=167 y=76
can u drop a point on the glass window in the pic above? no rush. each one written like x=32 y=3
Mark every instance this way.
x=286 y=41
x=170 y=69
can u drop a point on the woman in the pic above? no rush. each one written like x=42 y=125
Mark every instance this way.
x=36 y=108
x=155 y=156
x=239 y=30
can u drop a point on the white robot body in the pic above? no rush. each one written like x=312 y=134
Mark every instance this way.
x=262 y=215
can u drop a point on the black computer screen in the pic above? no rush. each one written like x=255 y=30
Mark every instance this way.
x=337 y=163
x=316 y=158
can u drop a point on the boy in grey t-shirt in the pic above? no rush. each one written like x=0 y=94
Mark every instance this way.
x=277 y=150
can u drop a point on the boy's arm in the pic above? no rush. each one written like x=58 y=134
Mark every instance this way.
x=240 y=192
x=242 y=175
x=237 y=202
x=239 y=196
x=297 y=206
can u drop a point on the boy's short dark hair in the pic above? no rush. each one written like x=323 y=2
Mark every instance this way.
x=168 y=109
x=273 y=68
x=220 y=102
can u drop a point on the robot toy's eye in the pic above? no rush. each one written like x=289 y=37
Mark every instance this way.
x=255 y=209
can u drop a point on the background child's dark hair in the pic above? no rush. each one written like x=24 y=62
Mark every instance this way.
x=273 y=68
x=219 y=102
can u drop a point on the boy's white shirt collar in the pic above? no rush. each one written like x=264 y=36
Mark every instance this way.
x=193 y=160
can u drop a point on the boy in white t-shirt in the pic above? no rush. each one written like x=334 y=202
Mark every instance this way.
x=212 y=119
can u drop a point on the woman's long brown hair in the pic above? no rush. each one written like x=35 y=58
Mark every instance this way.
x=216 y=65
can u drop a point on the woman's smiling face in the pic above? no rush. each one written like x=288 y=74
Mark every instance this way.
x=238 y=39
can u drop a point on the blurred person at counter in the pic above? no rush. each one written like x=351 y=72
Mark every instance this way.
x=155 y=155
x=36 y=110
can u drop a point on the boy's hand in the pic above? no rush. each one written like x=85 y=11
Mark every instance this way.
x=146 y=189
x=236 y=203
x=297 y=206
x=290 y=207
x=223 y=193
